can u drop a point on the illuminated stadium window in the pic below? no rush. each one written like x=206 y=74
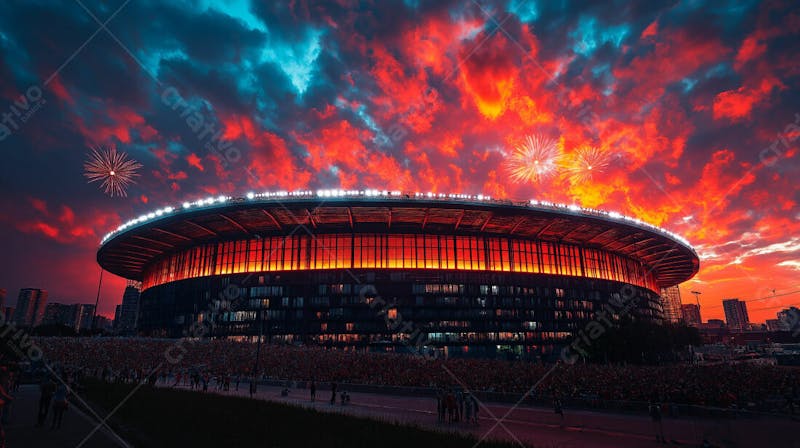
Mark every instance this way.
x=368 y=251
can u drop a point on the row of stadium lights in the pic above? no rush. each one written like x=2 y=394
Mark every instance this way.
x=379 y=193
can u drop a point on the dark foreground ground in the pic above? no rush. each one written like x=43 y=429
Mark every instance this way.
x=76 y=426
x=540 y=427
x=168 y=417
x=162 y=417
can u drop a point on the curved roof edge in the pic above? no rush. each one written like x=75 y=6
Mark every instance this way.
x=278 y=196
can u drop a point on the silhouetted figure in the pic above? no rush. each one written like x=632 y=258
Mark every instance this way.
x=450 y=404
x=440 y=405
x=60 y=405
x=333 y=393
x=47 y=389
x=313 y=390
x=658 y=427
x=558 y=408
x=5 y=398
x=475 y=409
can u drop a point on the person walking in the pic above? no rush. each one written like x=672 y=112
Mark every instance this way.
x=658 y=427
x=333 y=394
x=440 y=405
x=313 y=389
x=5 y=398
x=468 y=408
x=475 y=408
x=459 y=406
x=253 y=386
x=47 y=388
x=558 y=408
x=450 y=404
x=10 y=385
x=60 y=405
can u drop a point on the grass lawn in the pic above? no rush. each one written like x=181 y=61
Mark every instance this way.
x=170 y=418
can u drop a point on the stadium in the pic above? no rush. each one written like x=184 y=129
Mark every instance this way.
x=460 y=275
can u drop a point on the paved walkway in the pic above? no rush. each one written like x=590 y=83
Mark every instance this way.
x=74 y=432
x=542 y=428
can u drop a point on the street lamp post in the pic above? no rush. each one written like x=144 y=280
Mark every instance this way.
x=697 y=297
x=96 y=302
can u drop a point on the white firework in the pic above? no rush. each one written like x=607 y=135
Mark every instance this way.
x=535 y=160
x=585 y=163
x=114 y=169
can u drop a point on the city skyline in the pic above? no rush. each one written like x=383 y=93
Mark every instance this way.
x=683 y=116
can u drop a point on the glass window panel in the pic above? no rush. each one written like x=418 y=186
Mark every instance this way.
x=460 y=253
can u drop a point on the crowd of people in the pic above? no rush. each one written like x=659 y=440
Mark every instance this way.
x=454 y=406
x=201 y=362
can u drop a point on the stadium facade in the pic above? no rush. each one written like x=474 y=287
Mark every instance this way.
x=379 y=270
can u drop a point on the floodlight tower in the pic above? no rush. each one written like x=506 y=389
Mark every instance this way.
x=697 y=298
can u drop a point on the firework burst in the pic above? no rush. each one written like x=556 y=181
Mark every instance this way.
x=114 y=169
x=535 y=160
x=586 y=163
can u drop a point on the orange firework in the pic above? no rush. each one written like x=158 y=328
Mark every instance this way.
x=535 y=160
x=586 y=162
x=113 y=168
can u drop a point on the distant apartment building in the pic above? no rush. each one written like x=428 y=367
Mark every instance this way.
x=714 y=323
x=102 y=323
x=789 y=319
x=86 y=316
x=62 y=314
x=774 y=325
x=690 y=313
x=671 y=302
x=127 y=316
x=30 y=307
x=8 y=315
x=736 y=314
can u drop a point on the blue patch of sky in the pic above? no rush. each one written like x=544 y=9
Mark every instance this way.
x=589 y=35
x=688 y=84
x=297 y=60
x=719 y=70
x=380 y=139
x=237 y=9
x=526 y=10
x=16 y=57
x=600 y=69
x=176 y=147
x=729 y=13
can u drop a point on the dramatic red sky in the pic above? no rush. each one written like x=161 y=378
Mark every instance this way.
x=695 y=105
